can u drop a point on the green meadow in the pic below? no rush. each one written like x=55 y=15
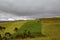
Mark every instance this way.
x=49 y=27
x=34 y=26
x=10 y=26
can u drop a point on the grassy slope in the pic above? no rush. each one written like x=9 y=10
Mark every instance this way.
x=11 y=25
x=34 y=26
x=51 y=28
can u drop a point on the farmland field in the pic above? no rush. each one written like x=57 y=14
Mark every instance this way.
x=50 y=27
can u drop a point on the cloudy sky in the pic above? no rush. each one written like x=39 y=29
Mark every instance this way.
x=35 y=8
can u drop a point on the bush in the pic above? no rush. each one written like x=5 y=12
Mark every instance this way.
x=0 y=37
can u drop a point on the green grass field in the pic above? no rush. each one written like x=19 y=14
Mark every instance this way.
x=47 y=26
x=10 y=26
x=34 y=26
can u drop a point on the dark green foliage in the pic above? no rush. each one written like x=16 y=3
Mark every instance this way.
x=4 y=38
x=19 y=36
x=29 y=34
x=16 y=29
x=26 y=34
x=2 y=28
x=0 y=37
x=7 y=34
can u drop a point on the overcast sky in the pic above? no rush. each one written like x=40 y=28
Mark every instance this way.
x=36 y=8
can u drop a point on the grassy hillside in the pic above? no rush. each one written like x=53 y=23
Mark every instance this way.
x=48 y=26
x=51 y=28
x=10 y=26
x=34 y=26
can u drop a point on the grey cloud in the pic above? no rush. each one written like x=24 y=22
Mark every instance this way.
x=40 y=8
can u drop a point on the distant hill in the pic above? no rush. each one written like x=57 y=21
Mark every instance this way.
x=49 y=19
x=10 y=21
